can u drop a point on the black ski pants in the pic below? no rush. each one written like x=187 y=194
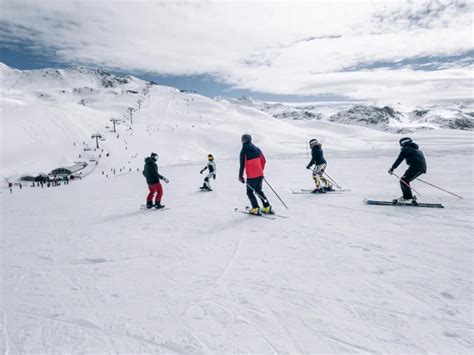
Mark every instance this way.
x=254 y=187
x=410 y=175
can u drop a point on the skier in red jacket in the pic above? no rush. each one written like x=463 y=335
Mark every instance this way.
x=253 y=162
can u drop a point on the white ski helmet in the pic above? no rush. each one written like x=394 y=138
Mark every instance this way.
x=405 y=140
x=313 y=142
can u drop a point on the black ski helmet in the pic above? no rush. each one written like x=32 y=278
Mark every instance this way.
x=246 y=138
x=210 y=157
x=154 y=156
x=313 y=142
x=405 y=140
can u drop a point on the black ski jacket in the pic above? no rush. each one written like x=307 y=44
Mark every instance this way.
x=317 y=156
x=150 y=172
x=413 y=157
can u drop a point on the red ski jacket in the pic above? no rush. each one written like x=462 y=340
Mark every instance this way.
x=252 y=161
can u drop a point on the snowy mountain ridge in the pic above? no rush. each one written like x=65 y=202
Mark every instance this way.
x=391 y=118
x=67 y=78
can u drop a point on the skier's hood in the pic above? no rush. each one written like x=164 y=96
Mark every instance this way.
x=149 y=160
x=411 y=145
x=318 y=146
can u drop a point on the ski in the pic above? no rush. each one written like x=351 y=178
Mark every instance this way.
x=143 y=207
x=328 y=191
x=301 y=192
x=256 y=215
x=394 y=203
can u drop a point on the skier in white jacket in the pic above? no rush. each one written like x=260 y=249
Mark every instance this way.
x=211 y=166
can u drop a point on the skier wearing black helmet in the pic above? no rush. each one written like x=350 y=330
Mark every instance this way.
x=211 y=166
x=150 y=171
x=317 y=159
x=253 y=162
x=416 y=162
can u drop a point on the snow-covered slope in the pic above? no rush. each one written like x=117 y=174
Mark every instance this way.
x=49 y=116
x=84 y=270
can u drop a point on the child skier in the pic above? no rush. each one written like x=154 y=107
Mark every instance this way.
x=211 y=166
x=253 y=162
x=153 y=178
x=317 y=159
x=416 y=166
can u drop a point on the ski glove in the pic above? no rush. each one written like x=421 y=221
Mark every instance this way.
x=165 y=180
x=390 y=171
x=215 y=176
x=241 y=179
x=201 y=171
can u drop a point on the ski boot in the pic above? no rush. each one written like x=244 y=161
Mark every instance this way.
x=149 y=204
x=318 y=191
x=328 y=188
x=158 y=206
x=404 y=201
x=268 y=210
x=255 y=211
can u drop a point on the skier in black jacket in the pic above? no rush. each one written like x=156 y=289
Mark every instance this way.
x=416 y=166
x=150 y=171
x=317 y=159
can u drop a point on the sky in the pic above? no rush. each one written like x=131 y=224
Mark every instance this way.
x=385 y=51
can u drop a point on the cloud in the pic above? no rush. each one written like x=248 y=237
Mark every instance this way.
x=273 y=47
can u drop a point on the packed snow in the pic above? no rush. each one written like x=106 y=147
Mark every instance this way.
x=85 y=270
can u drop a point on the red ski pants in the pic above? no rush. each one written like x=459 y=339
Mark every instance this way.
x=155 y=189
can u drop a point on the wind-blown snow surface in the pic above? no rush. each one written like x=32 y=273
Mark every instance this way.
x=84 y=270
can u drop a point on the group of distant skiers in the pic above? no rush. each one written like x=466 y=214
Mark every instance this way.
x=252 y=162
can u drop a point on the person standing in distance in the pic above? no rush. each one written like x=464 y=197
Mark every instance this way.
x=211 y=166
x=155 y=189
x=252 y=161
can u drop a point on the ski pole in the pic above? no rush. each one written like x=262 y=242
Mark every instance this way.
x=261 y=197
x=406 y=184
x=439 y=188
x=275 y=193
x=335 y=183
x=332 y=180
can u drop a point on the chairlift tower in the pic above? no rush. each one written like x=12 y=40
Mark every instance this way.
x=114 y=120
x=97 y=136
